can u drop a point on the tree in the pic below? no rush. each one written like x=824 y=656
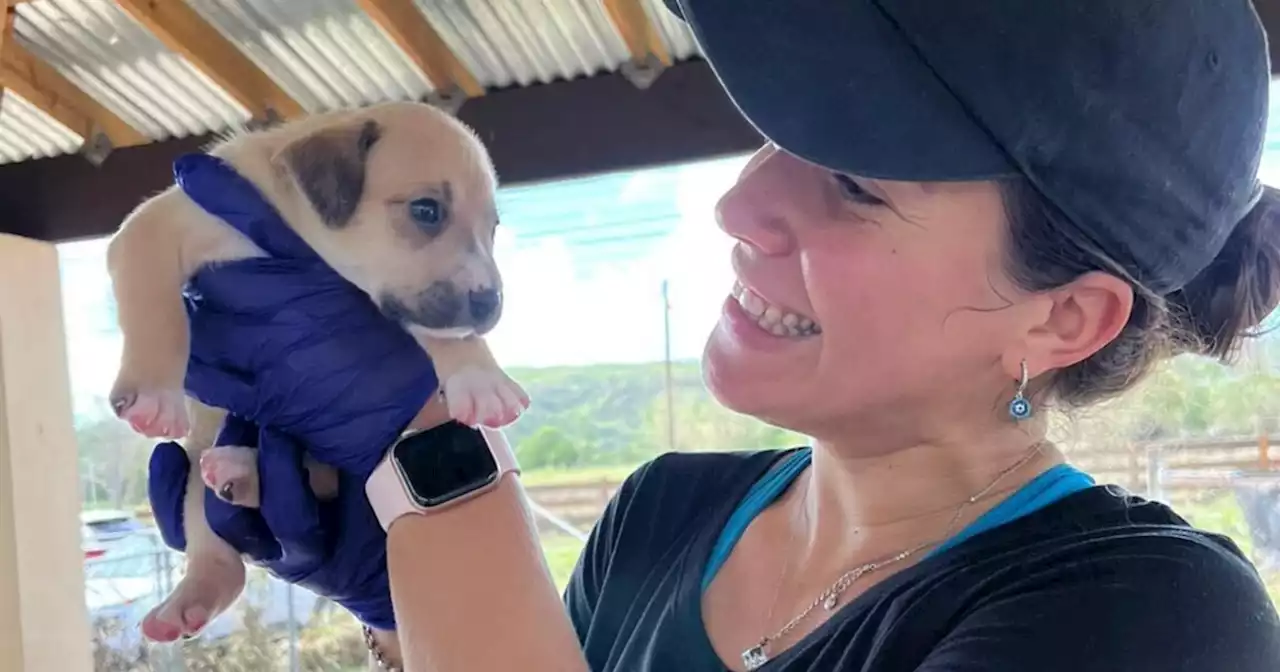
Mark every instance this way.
x=548 y=447
x=701 y=423
x=113 y=461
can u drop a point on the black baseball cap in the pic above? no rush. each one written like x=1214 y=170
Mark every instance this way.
x=1143 y=121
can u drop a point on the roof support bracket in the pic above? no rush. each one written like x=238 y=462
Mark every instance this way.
x=642 y=74
x=450 y=100
x=96 y=147
x=270 y=118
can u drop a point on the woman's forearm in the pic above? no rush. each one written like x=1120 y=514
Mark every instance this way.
x=472 y=591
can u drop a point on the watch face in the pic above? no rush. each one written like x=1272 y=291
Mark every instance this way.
x=444 y=463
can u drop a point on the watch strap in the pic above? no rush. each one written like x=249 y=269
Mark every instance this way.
x=389 y=494
x=503 y=454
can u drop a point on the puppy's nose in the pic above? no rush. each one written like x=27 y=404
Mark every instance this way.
x=483 y=304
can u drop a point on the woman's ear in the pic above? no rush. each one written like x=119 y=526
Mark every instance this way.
x=1087 y=314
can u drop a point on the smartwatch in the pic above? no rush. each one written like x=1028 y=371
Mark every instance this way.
x=432 y=469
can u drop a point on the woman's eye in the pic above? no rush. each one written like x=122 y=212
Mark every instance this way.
x=854 y=191
x=427 y=212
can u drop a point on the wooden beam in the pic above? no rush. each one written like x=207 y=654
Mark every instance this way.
x=184 y=32
x=43 y=86
x=6 y=31
x=641 y=36
x=410 y=29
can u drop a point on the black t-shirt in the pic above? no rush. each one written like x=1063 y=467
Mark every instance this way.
x=1100 y=580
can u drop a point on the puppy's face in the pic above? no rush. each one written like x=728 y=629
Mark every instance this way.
x=399 y=199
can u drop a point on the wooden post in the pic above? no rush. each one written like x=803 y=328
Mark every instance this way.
x=1135 y=470
x=43 y=621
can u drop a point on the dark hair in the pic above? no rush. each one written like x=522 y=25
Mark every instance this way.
x=1210 y=316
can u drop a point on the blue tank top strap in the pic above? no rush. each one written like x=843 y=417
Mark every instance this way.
x=757 y=499
x=1052 y=485
x=1045 y=489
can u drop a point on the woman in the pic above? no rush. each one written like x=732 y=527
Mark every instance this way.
x=967 y=214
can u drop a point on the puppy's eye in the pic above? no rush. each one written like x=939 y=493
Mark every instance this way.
x=427 y=212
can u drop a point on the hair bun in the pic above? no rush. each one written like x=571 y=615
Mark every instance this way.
x=1230 y=298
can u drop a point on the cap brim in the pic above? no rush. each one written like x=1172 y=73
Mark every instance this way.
x=840 y=86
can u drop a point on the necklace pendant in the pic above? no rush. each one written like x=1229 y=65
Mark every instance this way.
x=755 y=657
x=831 y=602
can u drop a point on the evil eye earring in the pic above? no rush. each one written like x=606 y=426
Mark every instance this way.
x=1020 y=407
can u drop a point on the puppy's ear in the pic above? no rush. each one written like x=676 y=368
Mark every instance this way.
x=329 y=168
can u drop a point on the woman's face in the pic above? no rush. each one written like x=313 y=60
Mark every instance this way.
x=856 y=297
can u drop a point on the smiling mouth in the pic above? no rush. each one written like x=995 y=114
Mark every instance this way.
x=774 y=319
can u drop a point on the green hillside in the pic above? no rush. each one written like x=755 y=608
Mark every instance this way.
x=616 y=415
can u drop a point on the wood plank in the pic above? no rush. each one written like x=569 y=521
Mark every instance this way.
x=638 y=31
x=186 y=33
x=414 y=34
x=43 y=86
x=44 y=624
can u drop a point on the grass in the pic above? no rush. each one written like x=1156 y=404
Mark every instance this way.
x=576 y=476
x=561 y=551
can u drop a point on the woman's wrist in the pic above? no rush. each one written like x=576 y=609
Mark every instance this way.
x=472 y=590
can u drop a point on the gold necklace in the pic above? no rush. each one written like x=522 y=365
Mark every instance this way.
x=756 y=656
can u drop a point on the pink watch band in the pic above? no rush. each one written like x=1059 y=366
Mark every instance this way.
x=389 y=496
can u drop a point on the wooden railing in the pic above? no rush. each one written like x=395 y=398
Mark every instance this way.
x=1187 y=467
x=1212 y=460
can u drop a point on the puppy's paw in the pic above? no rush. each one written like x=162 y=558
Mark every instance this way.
x=487 y=397
x=232 y=473
x=206 y=591
x=153 y=413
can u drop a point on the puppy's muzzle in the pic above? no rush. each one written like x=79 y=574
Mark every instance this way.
x=443 y=306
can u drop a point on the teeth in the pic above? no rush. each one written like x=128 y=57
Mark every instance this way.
x=772 y=318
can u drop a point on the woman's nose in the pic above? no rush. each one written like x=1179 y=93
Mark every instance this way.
x=758 y=209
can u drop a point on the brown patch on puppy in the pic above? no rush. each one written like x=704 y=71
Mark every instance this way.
x=329 y=168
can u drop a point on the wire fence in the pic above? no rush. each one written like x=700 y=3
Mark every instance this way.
x=273 y=626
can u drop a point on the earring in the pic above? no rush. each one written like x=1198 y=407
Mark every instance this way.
x=1020 y=407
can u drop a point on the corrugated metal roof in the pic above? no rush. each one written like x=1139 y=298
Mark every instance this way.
x=123 y=66
x=326 y=54
x=522 y=42
x=675 y=34
x=26 y=132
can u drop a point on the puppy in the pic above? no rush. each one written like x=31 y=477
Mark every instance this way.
x=399 y=199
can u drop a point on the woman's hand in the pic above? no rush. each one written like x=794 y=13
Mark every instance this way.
x=288 y=344
x=292 y=346
x=335 y=548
